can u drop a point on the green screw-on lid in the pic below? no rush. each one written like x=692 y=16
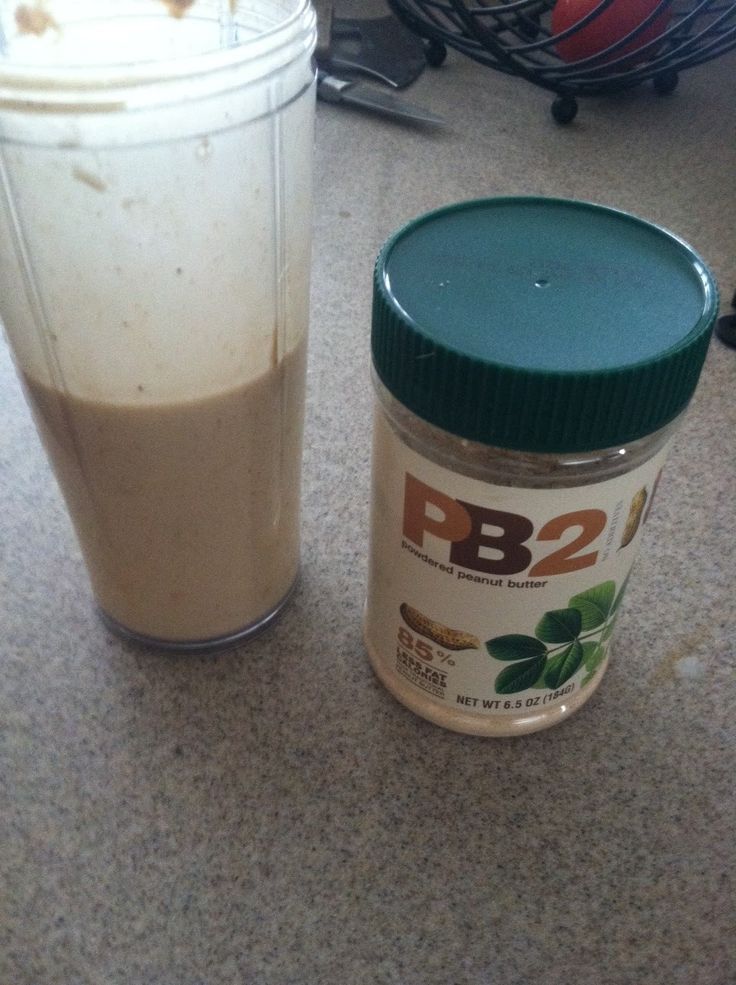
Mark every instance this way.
x=541 y=324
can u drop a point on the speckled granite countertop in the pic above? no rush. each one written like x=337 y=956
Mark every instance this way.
x=271 y=816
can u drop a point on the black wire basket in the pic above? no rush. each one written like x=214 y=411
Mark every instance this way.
x=590 y=56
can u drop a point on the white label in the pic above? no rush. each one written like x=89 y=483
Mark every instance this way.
x=496 y=600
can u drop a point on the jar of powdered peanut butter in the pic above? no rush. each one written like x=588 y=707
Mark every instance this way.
x=532 y=360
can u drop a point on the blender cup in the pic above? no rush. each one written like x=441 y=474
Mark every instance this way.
x=155 y=223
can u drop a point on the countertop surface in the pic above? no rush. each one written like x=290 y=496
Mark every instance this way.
x=271 y=815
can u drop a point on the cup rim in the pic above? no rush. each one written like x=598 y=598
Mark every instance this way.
x=36 y=82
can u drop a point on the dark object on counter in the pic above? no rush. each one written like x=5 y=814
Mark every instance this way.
x=363 y=95
x=382 y=48
x=726 y=326
x=517 y=37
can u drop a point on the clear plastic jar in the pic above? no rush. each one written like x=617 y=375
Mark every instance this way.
x=394 y=424
x=155 y=240
x=497 y=567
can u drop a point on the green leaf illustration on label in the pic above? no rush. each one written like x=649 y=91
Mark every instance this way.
x=516 y=646
x=593 y=656
x=519 y=676
x=619 y=597
x=565 y=640
x=594 y=605
x=559 y=626
x=593 y=653
x=562 y=667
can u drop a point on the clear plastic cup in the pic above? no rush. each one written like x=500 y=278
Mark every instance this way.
x=155 y=226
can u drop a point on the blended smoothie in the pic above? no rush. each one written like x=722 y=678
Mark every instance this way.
x=187 y=512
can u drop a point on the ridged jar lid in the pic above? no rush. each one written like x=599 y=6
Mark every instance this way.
x=541 y=324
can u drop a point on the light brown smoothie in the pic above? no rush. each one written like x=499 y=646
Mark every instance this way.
x=187 y=512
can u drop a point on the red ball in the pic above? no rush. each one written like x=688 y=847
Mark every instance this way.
x=612 y=24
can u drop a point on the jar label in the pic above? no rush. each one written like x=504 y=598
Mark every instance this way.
x=496 y=600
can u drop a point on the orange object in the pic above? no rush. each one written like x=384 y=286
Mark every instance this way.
x=611 y=25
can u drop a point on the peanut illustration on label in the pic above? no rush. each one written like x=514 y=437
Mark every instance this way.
x=636 y=511
x=450 y=639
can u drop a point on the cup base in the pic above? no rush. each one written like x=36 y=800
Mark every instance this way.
x=217 y=643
